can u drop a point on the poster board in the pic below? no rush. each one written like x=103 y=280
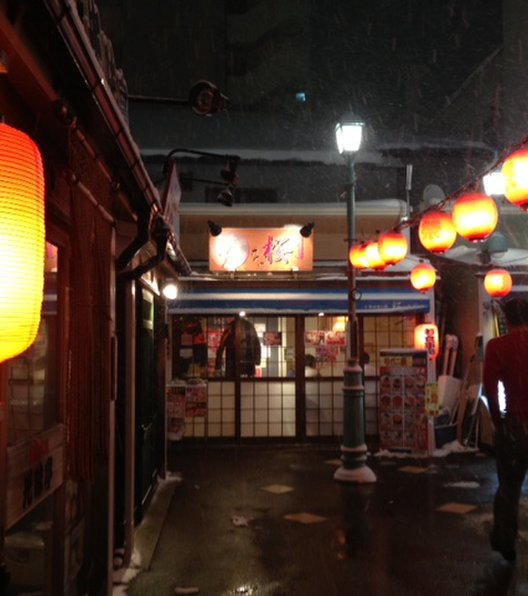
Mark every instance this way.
x=184 y=399
x=402 y=390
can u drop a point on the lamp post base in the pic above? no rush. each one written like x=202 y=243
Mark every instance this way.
x=362 y=475
x=354 y=469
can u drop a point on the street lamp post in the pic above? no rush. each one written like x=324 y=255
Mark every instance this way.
x=353 y=467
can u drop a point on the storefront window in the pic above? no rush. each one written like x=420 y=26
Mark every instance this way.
x=387 y=331
x=210 y=347
x=32 y=397
x=325 y=346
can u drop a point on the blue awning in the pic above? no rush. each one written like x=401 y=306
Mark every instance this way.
x=291 y=301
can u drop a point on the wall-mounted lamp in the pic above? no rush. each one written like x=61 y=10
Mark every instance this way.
x=225 y=197
x=228 y=174
x=22 y=241
x=170 y=290
x=306 y=230
x=205 y=99
x=214 y=229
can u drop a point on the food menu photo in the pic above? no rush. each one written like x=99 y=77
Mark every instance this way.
x=402 y=418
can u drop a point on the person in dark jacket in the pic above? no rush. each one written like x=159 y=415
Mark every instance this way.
x=242 y=331
x=505 y=360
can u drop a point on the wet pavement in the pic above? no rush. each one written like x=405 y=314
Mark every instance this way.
x=271 y=521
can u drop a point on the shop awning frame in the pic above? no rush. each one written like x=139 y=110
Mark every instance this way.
x=308 y=301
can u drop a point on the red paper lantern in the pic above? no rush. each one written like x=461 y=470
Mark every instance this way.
x=357 y=256
x=373 y=257
x=515 y=175
x=22 y=241
x=437 y=232
x=475 y=216
x=498 y=283
x=392 y=247
x=423 y=277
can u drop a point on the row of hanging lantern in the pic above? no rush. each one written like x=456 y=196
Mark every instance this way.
x=474 y=217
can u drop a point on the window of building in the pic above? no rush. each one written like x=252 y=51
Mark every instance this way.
x=387 y=331
x=33 y=376
x=325 y=345
x=208 y=347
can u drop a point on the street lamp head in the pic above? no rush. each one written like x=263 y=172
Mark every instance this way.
x=349 y=133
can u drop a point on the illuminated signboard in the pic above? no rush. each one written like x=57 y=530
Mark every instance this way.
x=273 y=249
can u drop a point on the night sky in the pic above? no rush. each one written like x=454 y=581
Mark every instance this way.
x=397 y=60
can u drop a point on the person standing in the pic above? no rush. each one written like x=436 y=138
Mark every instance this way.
x=506 y=361
x=239 y=340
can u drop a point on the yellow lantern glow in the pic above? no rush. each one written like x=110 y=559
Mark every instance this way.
x=515 y=175
x=426 y=338
x=357 y=256
x=423 y=277
x=475 y=216
x=373 y=257
x=392 y=247
x=498 y=283
x=437 y=232
x=22 y=241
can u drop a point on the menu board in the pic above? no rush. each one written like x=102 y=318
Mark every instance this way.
x=402 y=415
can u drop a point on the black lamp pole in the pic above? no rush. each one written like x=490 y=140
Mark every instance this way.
x=353 y=467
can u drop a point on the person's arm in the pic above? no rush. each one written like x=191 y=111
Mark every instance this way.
x=490 y=381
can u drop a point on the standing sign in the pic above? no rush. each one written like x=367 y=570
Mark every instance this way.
x=403 y=419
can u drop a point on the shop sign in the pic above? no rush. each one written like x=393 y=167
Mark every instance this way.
x=34 y=471
x=426 y=338
x=266 y=249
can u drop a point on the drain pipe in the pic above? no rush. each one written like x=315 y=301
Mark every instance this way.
x=160 y=235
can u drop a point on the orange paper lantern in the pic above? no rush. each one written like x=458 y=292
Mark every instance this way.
x=498 y=283
x=392 y=247
x=475 y=216
x=357 y=256
x=426 y=338
x=22 y=241
x=373 y=257
x=437 y=232
x=515 y=175
x=423 y=277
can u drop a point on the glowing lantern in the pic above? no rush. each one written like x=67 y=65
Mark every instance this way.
x=437 y=232
x=515 y=176
x=373 y=257
x=475 y=216
x=426 y=338
x=357 y=256
x=498 y=283
x=22 y=241
x=392 y=247
x=423 y=277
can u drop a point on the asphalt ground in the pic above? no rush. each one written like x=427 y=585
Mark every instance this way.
x=272 y=521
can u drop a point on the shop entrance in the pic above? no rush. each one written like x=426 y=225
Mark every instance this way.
x=271 y=377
